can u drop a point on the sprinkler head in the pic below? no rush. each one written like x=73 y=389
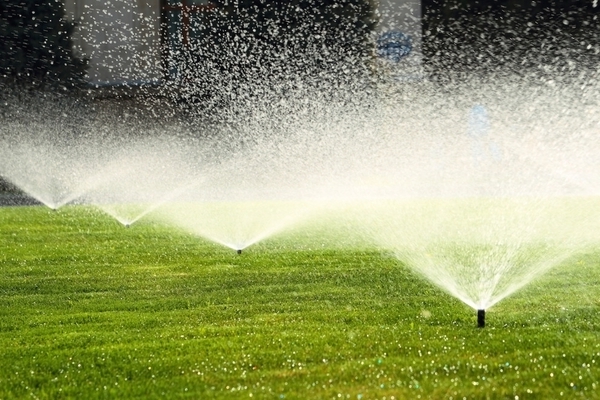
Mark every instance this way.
x=127 y=225
x=481 y=318
x=239 y=251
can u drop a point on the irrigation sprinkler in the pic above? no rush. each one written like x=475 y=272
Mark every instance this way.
x=481 y=318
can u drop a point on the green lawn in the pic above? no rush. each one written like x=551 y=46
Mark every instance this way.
x=90 y=309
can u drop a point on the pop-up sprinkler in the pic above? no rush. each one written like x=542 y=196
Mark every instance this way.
x=239 y=251
x=481 y=318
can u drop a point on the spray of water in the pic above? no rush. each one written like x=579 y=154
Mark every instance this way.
x=483 y=249
x=50 y=172
x=479 y=179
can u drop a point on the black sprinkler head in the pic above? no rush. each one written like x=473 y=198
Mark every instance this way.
x=239 y=251
x=481 y=318
x=127 y=225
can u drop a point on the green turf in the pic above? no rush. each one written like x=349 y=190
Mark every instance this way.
x=89 y=309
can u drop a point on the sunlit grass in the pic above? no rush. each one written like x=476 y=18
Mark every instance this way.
x=91 y=309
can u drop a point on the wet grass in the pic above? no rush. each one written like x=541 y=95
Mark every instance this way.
x=89 y=309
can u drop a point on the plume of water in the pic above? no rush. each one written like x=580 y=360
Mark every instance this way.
x=498 y=205
x=483 y=249
x=234 y=224
x=479 y=182
x=142 y=176
x=262 y=187
x=51 y=172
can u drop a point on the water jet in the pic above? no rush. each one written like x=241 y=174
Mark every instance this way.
x=234 y=224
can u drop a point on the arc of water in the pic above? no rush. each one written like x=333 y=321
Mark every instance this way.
x=274 y=229
x=167 y=198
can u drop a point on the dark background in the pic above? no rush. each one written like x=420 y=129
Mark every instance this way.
x=466 y=35
x=513 y=34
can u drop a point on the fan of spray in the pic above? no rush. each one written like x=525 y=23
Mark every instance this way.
x=276 y=177
x=505 y=192
x=51 y=171
x=476 y=179
x=145 y=174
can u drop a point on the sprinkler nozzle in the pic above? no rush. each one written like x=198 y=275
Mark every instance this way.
x=239 y=251
x=481 y=318
x=127 y=225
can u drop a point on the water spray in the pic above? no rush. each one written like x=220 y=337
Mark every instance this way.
x=481 y=318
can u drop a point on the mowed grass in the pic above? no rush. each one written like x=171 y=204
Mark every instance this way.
x=89 y=309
